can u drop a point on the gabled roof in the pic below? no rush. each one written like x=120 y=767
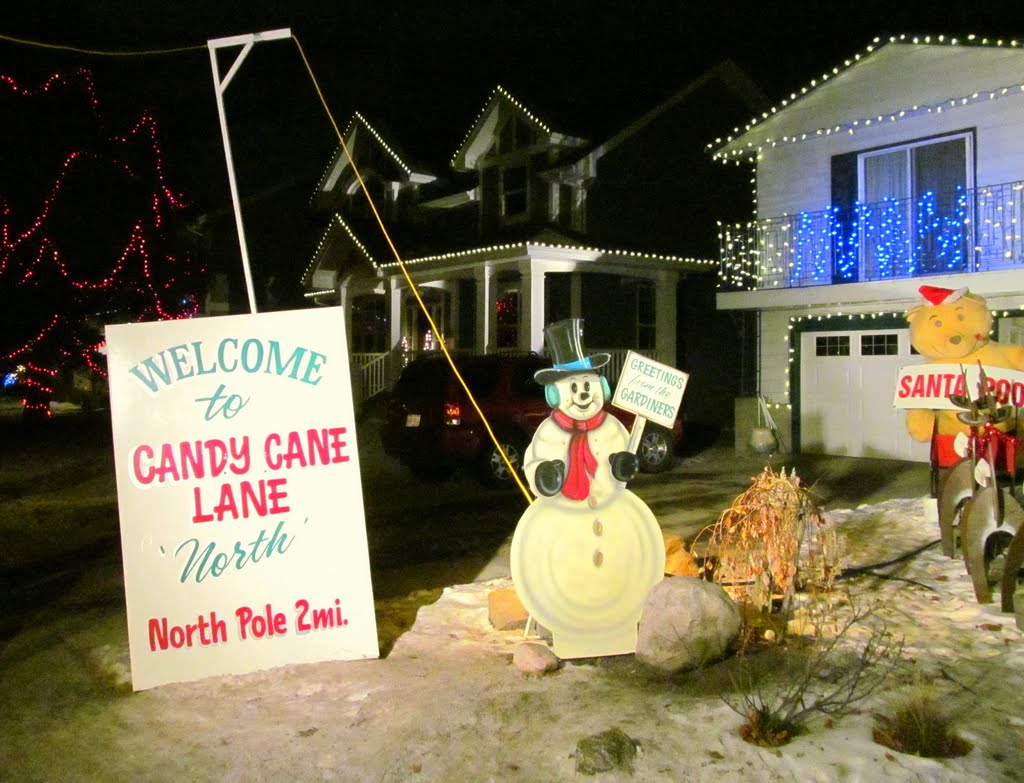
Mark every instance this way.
x=337 y=233
x=358 y=131
x=481 y=133
x=727 y=73
x=902 y=77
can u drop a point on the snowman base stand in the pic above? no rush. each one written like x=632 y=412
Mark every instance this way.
x=584 y=571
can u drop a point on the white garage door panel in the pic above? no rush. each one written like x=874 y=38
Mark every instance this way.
x=846 y=401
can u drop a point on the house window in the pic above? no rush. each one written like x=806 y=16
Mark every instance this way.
x=832 y=345
x=515 y=134
x=380 y=193
x=369 y=324
x=914 y=215
x=508 y=320
x=562 y=201
x=513 y=191
x=879 y=345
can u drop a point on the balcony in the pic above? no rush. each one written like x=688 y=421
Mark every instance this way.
x=968 y=230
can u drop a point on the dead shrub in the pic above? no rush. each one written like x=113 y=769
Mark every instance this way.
x=771 y=540
x=846 y=656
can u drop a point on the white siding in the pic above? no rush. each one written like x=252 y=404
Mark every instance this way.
x=774 y=371
x=897 y=77
x=797 y=177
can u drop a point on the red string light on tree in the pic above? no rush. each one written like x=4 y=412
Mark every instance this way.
x=65 y=276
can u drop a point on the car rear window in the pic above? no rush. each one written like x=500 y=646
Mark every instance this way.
x=523 y=383
x=424 y=378
x=480 y=377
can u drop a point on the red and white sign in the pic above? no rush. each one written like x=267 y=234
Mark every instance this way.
x=242 y=525
x=930 y=385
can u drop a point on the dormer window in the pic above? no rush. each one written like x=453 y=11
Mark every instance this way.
x=513 y=191
x=379 y=191
x=515 y=133
x=562 y=197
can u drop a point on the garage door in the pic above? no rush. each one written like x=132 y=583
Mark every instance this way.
x=847 y=380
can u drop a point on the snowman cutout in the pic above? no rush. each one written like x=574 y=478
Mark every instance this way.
x=587 y=550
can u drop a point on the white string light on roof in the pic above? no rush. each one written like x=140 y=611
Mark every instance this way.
x=525 y=246
x=499 y=90
x=336 y=219
x=751 y=149
x=339 y=151
x=383 y=144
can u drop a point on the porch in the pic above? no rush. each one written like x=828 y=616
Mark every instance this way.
x=964 y=231
x=373 y=373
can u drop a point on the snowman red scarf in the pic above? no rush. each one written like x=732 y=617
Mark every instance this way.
x=582 y=462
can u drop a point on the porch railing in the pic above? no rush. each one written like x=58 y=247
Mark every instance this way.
x=968 y=230
x=372 y=373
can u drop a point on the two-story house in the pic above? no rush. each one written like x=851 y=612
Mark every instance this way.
x=902 y=166
x=530 y=225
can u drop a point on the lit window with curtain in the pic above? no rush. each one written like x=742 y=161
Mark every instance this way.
x=914 y=208
x=902 y=211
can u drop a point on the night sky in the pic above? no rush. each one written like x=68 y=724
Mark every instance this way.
x=420 y=72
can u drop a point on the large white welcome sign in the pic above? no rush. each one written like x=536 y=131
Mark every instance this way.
x=242 y=525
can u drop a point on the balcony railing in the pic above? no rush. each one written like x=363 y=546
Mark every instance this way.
x=975 y=230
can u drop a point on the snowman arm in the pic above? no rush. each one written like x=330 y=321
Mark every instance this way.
x=625 y=465
x=549 y=443
x=549 y=477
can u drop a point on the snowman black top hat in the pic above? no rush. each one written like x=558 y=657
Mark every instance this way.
x=565 y=343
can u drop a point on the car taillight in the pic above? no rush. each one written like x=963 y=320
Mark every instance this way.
x=452 y=413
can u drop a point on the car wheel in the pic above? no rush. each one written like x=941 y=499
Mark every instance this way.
x=655 y=450
x=493 y=470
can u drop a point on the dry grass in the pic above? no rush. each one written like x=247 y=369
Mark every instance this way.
x=921 y=724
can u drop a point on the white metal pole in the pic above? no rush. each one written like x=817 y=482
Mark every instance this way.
x=246 y=42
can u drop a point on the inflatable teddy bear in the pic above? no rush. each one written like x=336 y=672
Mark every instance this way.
x=953 y=327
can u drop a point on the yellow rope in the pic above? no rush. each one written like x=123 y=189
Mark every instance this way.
x=99 y=52
x=408 y=278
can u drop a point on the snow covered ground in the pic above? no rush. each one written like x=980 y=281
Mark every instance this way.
x=446 y=703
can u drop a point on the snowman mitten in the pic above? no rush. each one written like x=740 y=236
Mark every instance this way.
x=549 y=477
x=625 y=465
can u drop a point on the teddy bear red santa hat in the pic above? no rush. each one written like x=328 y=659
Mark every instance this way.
x=941 y=296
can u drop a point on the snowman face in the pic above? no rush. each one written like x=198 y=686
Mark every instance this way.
x=580 y=396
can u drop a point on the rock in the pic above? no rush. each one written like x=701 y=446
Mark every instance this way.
x=612 y=749
x=534 y=658
x=679 y=561
x=504 y=609
x=686 y=623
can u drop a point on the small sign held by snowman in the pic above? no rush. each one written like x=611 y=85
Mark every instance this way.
x=587 y=551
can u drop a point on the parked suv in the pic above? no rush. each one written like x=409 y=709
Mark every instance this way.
x=431 y=426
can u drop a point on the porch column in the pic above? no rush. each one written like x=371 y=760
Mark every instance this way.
x=345 y=301
x=531 y=307
x=452 y=314
x=665 y=311
x=394 y=297
x=575 y=295
x=486 y=308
